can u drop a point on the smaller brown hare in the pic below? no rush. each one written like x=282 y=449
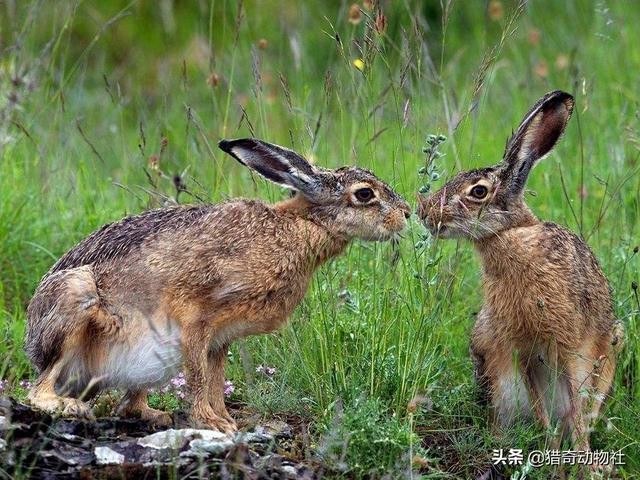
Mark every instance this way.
x=139 y=297
x=544 y=342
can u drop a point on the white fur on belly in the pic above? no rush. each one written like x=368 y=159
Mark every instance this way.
x=511 y=399
x=144 y=362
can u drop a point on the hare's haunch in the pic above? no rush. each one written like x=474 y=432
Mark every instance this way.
x=139 y=297
x=546 y=301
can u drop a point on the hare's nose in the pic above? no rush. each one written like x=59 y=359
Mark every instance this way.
x=406 y=210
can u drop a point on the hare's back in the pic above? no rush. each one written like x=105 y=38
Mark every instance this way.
x=581 y=270
x=120 y=239
x=563 y=247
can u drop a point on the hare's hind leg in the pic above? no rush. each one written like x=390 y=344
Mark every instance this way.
x=68 y=324
x=602 y=360
x=43 y=395
x=602 y=384
x=134 y=404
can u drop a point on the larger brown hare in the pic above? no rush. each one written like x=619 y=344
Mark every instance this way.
x=130 y=303
x=544 y=342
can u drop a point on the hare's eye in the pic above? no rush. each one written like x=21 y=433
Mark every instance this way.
x=479 y=191
x=364 y=194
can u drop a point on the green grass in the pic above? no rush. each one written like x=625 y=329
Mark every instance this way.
x=89 y=90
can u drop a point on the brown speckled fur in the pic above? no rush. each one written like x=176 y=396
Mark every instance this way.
x=201 y=275
x=546 y=332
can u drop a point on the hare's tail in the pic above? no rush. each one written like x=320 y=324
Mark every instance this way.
x=64 y=304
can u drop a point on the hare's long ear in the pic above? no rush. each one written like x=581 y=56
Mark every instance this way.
x=536 y=136
x=278 y=164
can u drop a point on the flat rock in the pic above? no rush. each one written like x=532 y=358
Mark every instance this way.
x=57 y=453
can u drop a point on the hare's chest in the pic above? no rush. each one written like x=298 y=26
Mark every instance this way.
x=529 y=302
x=515 y=298
x=258 y=311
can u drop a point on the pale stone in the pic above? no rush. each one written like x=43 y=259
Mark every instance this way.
x=177 y=438
x=107 y=456
x=201 y=447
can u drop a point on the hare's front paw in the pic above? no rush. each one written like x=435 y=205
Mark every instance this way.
x=210 y=420
x=65 y=406
x=231 y=421
x=157 y=418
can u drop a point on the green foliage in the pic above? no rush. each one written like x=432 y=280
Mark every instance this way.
x=165 y=401
x=365 y=440
x=274 y=395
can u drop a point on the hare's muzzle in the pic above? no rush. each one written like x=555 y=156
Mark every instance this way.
x=427 y=210
x=430 y=212
x=395 y=219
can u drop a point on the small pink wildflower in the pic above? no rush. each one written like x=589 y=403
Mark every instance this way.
x=25 y=384
x=268 y=371
x=3 y=384
x=178 y=382
x=228 y=388
x=173 y=386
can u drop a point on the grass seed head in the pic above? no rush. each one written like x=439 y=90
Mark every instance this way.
x=381 y=23
x=355 y=15
x=214 y=79
x=496 y=10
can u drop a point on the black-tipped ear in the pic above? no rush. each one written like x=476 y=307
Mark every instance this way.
x=536 y=136
x=278 y=164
